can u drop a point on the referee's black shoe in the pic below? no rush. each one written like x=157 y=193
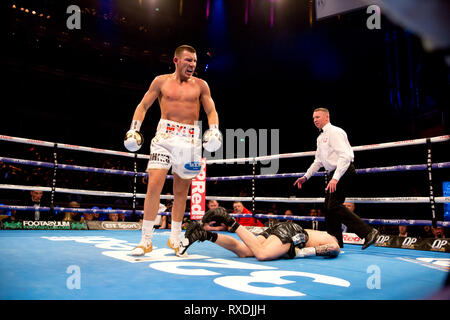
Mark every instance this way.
x=370 y=238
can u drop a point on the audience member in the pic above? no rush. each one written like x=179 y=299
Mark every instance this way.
x=212 y=204
x=426 y=232
x=438 y=232
x=72 y=215
x=314 y=225
x=113 y=217
x=270 y=222
x=88 y=216
x=238 y=208
x=289 y=213
x=34 y=199
x=402 y=231
x=350 y=206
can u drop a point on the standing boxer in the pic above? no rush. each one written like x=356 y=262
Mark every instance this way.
x=177 y=142
x=336 y=155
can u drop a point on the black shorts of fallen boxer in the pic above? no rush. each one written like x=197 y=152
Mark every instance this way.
x=288 y=232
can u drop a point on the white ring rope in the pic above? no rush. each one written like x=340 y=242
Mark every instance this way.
x=220 y=161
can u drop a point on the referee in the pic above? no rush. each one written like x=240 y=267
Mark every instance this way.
x=335 y=154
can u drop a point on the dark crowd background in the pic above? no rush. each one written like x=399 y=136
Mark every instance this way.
x=81 y=87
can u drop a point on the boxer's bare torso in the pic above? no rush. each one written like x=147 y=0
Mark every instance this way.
x=179 y=100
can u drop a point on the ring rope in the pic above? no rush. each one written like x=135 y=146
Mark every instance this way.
x=312 y=153
x=260 y=216
x=220 y=161
x=398 y=168
x=224 y=198
x=71 y=147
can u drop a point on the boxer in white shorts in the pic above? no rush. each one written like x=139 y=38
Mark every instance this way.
x=176 y=145
x=177 y=142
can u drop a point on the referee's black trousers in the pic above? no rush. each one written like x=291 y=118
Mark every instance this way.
x=337 y=214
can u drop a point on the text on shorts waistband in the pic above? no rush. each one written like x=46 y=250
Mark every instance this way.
x=179 y=129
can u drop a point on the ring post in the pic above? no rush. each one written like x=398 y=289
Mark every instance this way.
x=430 y=183
x=134 y=184
x=55 y=169
x=253 y=186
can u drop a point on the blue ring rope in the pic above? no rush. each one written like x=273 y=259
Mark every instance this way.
x=261 y=216
x=398 y=168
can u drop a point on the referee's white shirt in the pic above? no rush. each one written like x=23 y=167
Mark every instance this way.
x=333 y=152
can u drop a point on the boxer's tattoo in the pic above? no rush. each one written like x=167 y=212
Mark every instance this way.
x=329 y=250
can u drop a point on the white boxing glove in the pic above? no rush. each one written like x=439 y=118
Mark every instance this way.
x=212 y=139
x=133 y=138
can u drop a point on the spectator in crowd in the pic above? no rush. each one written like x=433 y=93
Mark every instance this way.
x=438 y=232
x=72 y=215
x=238 y=208
x=288 y=212
x=314 y=225
x=270 y=222
x=402 y=231
x=113 y=217
x=350 y=206
x=34 y=199
x=212 y=204
x=8 y=215
x=426 y=232
x=88 y=216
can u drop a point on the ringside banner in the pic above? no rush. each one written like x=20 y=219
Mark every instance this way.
x=113 y=225
x=198 y=193
x=415 y=243
x=44 y=225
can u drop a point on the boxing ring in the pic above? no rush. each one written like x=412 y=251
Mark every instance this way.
x=74 y=264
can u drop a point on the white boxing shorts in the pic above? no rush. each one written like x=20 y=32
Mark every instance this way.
x=176 y=145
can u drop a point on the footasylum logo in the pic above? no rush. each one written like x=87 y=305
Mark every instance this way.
x=12 y=225
x=59 y=225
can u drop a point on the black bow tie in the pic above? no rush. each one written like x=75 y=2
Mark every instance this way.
x=320 y=131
